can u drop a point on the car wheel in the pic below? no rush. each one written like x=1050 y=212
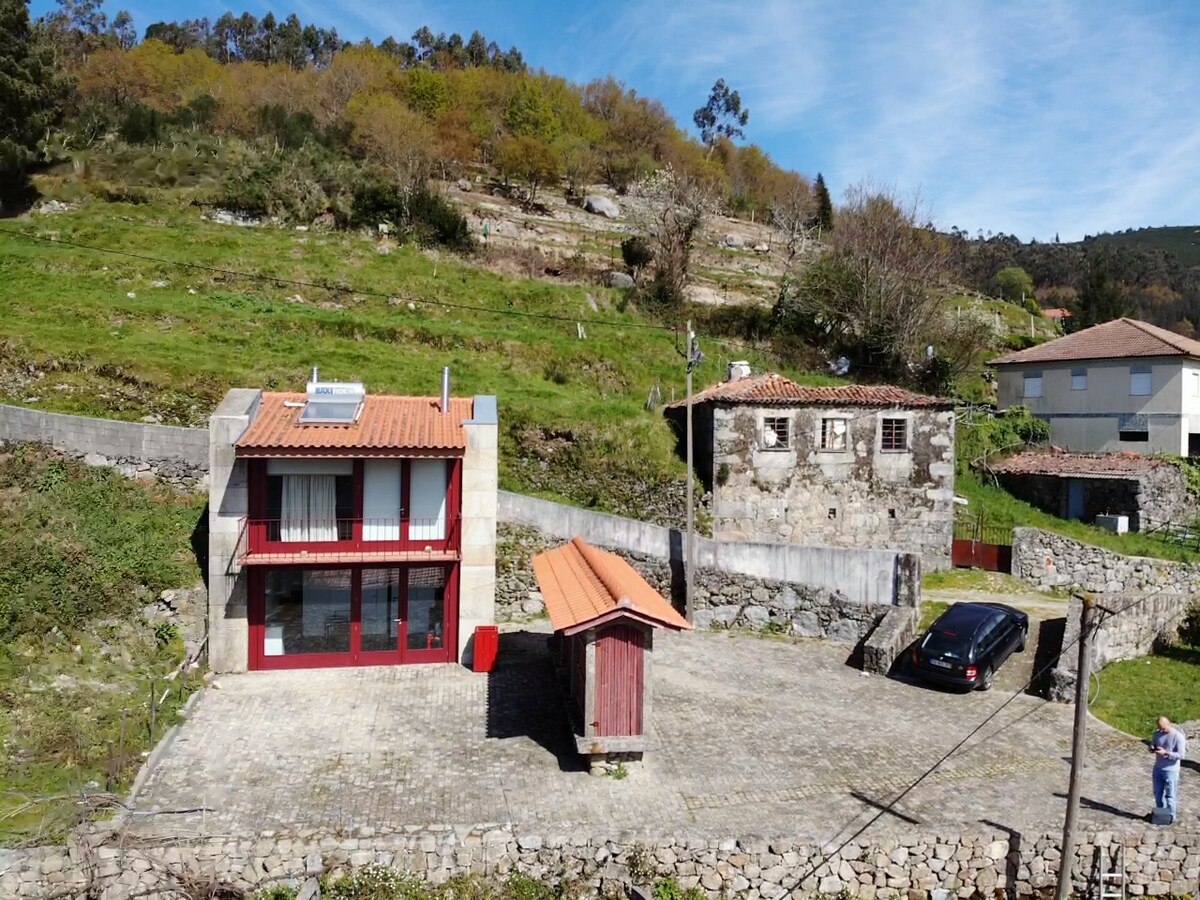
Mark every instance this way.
x=985 y=683
x=1021 y=642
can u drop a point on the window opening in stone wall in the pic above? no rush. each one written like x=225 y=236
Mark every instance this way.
x=891 y=513
x=1079 y=379
x=895 y=435
x=833 y=434
x=1033 y=385
x=1134 y=437
x=832 y=512
x=776 y=434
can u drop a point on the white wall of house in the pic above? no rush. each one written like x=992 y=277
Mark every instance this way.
x=1099 y=406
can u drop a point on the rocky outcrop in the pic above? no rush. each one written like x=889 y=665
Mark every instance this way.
x=601 y=206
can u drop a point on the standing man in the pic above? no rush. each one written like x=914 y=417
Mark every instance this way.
x=1168 y=746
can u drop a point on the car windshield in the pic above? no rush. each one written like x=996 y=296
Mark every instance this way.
x=942 y=643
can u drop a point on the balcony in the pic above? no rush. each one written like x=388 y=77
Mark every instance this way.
x=355 y=540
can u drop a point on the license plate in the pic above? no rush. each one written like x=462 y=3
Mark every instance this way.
x=940 y=663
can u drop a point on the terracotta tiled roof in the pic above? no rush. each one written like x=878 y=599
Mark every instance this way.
x=581 y=584
x=1090 y=465
x=386 y=425
x=1057 y=312
x=1118 y=339
x=776 y=390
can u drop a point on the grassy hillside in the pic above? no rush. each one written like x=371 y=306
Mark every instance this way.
x=99 y=334
x=84 y=549
x=1181 y=240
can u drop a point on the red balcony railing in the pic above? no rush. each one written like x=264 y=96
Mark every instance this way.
x=350 y=538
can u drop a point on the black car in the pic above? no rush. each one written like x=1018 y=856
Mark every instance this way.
x=968 y=643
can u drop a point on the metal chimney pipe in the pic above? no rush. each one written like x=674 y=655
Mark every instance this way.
x=445 y=389
x=314 y=376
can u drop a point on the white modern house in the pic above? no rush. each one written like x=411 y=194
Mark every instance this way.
x=1124 y=385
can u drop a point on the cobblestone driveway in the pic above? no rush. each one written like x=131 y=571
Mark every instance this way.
x=757 y=737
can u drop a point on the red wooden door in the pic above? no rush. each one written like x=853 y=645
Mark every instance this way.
x=619 y=680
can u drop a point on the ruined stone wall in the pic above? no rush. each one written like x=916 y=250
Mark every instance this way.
x=1159 y=862
x=860 y=496
x=722 y=599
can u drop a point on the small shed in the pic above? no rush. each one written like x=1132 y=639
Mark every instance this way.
x=604 y=615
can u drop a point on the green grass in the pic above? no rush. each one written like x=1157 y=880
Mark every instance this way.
x=77 y=342
x=84 y=549
x=930 y=610
x=1002 y=509
x=1133 y=693
x=974 y=580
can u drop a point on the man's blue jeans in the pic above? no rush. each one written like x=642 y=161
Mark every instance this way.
x=1166 y=788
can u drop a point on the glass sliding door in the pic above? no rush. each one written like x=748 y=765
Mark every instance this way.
x=306 y=612
x=381 y=611
x=425 y=613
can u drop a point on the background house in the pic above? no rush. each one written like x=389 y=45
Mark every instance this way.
x=854 y=466
x=1122 y=385
x=349 y=529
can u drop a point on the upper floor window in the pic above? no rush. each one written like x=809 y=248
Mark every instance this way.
x=893 y=435
x=776 y=433
x=833 y=434
x=1140 y=384
x=1079 y=379
x=310 y=500
x=1195 y=384
x=1033 y=385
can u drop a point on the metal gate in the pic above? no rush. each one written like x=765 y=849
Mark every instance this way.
x=978 y=545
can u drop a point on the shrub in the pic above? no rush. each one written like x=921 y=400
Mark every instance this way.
x=1189 y=629
x=636 y=252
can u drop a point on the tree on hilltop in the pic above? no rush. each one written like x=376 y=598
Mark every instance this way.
x=822 y=217
x=722 y=116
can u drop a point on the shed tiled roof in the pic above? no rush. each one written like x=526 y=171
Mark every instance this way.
x=1089 y=465
x=776 y=390
x=387 y=425
x=1118 y=339
x=580 y=584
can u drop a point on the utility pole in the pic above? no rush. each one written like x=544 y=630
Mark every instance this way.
x=693 y=358
x=1083 y=675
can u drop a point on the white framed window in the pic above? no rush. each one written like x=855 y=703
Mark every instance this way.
x=833 y=434
x=1140 y=381
x=777 y=433
x=893 y=435
x=1079 y=379
x=1033 y=385
x=1196 y=384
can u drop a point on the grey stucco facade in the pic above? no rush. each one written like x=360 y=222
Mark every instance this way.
x=864 y=494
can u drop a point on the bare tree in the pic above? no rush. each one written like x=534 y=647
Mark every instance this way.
x=673 y=208
x=878 y=292
x=792 y=214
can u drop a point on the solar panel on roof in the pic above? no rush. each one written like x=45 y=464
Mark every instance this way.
x=332 y=403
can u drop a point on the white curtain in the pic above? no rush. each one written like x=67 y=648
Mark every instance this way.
x=309 y=508
x=427 y=497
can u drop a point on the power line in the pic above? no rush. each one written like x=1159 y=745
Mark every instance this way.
x=332 y=288
x=890 y=805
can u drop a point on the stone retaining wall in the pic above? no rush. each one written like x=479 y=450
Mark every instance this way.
x=1050 y=560
x=178 y=456
x=722 y=599
x=1159 y=862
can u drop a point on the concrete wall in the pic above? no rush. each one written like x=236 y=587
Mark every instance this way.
x=860 y=496
x=477 y=571
x=872 y=577
x=228 y=505
x=966 y=864
x=175 y=454
x=1091 y=419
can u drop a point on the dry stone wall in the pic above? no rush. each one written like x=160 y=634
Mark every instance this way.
x=722 y=599
x=1159 y=862
x=1050 y=560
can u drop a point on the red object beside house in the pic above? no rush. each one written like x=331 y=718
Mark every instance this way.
x=487 y=643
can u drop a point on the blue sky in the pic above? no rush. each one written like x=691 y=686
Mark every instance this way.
x=1029 y=117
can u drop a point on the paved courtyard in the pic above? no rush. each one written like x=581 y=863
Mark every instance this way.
x=755 y=736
